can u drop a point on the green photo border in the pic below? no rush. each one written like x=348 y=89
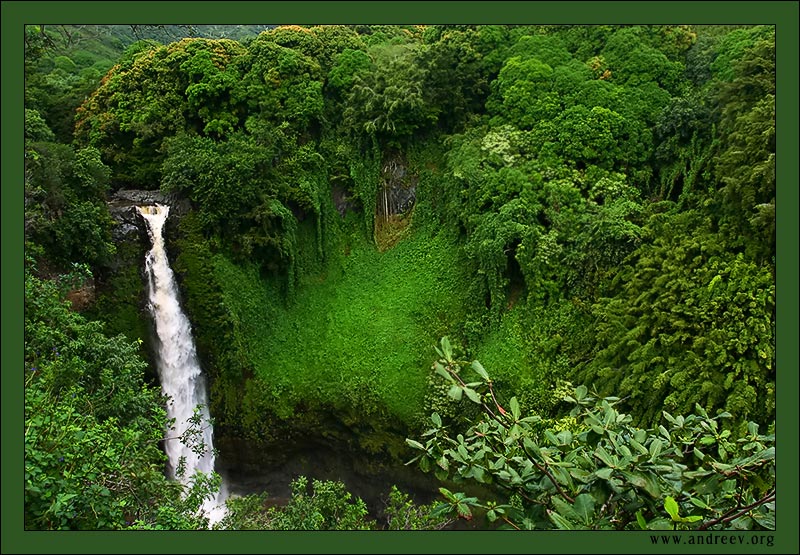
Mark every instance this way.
x=784 y=15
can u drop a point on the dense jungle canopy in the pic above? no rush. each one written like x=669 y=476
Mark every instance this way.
x=539 y=259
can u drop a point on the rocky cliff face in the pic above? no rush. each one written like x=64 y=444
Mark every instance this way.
x=131 y=227
x=118 y=294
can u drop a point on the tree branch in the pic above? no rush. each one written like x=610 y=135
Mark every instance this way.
x=546 y=472
x=542 y=469
x=733 y=515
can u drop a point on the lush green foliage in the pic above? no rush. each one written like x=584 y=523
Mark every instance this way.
x=325 y=505
x=92 y=428
x=593 y=204
x=156 y=94
x=594 y=469
x=689 y=323
x=354 y=341
x=64 y=212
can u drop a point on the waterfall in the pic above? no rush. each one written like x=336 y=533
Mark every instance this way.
x=178 y=367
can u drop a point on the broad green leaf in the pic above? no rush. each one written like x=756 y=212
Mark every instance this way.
x=659 y=524
x=640 y=519
x=514 y=408
x=473 y=395
x=651 y=486
x=499 y=463
x=765 y=455
x=584 y=507
x=441 y=509
x=455 y=392
x=425 y=464
x=580 y=392
x=604 y=473
x=581 y=475
x=442 y=371
x=609 y=416
x=645 y=481
x=448 y=494
x=436 y=419
x=634 y=478
x=562 y=476
x=655 y=448
x=671 y=507
x=560 y=522
x=565 y=509
x=639 y=447
x=531 y=446
x=564 y=437
x=478 y=367
x=415 y=444
x=767 y=520
x=603 y=455
x=447 y=349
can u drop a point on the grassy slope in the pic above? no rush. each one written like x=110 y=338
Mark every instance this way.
x=359 y=338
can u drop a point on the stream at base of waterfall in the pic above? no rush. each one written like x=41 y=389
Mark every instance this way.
x=189 y=444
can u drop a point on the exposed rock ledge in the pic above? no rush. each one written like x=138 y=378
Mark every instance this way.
x=122 y=206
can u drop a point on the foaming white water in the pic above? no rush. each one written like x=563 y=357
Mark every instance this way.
x=178 y=367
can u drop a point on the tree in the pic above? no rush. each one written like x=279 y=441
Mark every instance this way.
x=65 y=210
x=594 y=469
x=632 y=61
x=745 y=165
x=279 y=84
x=389 y=102
x=524 y=93
x=321 y=505
x=158 y=93
x=687 y=321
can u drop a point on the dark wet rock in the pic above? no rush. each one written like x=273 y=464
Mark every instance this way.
x=401 y=198
x=342 y=200
x=399 y=191
x=130 y=225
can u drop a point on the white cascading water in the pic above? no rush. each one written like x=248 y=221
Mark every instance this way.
x=178 y=367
